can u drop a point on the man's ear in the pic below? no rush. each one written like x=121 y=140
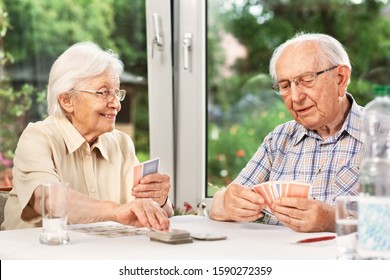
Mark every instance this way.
x=344 y=74
x=66 y=102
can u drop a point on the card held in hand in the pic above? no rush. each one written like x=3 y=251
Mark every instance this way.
x=145 y=168
x=274 y=190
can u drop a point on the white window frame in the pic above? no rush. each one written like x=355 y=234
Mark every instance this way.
x=186 y=162
x=160 y=88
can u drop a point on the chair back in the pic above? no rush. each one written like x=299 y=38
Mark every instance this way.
x=3 y=199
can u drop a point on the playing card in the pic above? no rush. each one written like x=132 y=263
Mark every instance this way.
x=268 y=189
x=272 y=190
x=208 y=236
x=145 y=168
x=297 y=190
x=137 y=174
x=150 y=167
x=175 y=241
x=283 y=189
x=260 y=189
x=277 y=189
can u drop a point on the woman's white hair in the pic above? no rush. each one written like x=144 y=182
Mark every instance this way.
x=332 y=50
x=79 y=62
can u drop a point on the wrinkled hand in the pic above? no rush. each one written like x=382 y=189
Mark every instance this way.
x=304 y=215
x=242 y=204
x=155 y=186
x=142 y=212
x=82 y=209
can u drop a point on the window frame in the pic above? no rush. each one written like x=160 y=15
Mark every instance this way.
x=185 y=117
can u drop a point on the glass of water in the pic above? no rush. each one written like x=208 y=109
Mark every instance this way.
x=54 y=217
x=347 y=226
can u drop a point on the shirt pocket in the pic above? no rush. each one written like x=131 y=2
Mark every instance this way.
x=346 y=182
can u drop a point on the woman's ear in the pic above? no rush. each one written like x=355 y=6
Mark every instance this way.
x=66 y=102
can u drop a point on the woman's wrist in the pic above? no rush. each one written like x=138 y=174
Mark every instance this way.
x=166 y=200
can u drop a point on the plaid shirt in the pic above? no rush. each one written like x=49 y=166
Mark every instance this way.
x=293 y=153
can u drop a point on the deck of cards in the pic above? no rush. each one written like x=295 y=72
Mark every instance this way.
x=171 y=236
x=145 y=168
x=272 y=191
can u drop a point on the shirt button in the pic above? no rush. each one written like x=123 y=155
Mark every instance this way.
x=92 y=190
x=87 y=157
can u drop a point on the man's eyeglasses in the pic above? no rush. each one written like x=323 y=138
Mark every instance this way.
x=283 y=87
x=119 y=94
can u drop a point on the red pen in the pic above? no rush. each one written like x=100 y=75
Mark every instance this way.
x=317 y=239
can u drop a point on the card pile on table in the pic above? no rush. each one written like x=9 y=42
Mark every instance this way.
x=171 y=236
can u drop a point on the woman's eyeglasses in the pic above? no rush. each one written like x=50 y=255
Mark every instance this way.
x=120 y=94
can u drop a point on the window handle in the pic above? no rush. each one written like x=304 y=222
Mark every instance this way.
x=187 y=46
x=158 y=41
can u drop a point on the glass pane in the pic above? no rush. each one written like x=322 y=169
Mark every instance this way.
x=33 y=34
x=242 y=108
x=242 y=35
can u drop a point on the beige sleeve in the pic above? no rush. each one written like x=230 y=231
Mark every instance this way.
x=32 y=166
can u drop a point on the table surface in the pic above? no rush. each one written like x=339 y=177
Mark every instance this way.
x=244 y=241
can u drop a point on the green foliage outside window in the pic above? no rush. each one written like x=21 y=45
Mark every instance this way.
x=40 y=30
x=14 y=103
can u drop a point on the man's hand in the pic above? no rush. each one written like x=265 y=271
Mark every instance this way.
x=304 y=215
x=236 y=203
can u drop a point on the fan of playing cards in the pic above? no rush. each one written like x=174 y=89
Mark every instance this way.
x=273 y=190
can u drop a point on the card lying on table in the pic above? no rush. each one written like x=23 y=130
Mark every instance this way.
x=208 y=236
x=172 y=236
x=274 y=190
x=145 y=168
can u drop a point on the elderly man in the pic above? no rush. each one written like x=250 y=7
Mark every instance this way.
x=320 y=147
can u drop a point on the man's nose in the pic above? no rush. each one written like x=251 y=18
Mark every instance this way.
x=296 y=91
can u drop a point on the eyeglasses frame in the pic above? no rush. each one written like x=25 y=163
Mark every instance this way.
x=120 y=94
x=276 y=88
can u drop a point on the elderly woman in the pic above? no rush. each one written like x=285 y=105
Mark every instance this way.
x=77 y=143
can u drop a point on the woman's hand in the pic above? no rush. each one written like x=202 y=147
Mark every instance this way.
x=155 y=186
x=142 y=212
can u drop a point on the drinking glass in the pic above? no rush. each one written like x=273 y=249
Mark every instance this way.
x=347 y=226
x=54 y=219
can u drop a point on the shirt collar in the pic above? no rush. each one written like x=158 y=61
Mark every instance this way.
x=74 y=140
x=351 y=125
x=101 y=144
